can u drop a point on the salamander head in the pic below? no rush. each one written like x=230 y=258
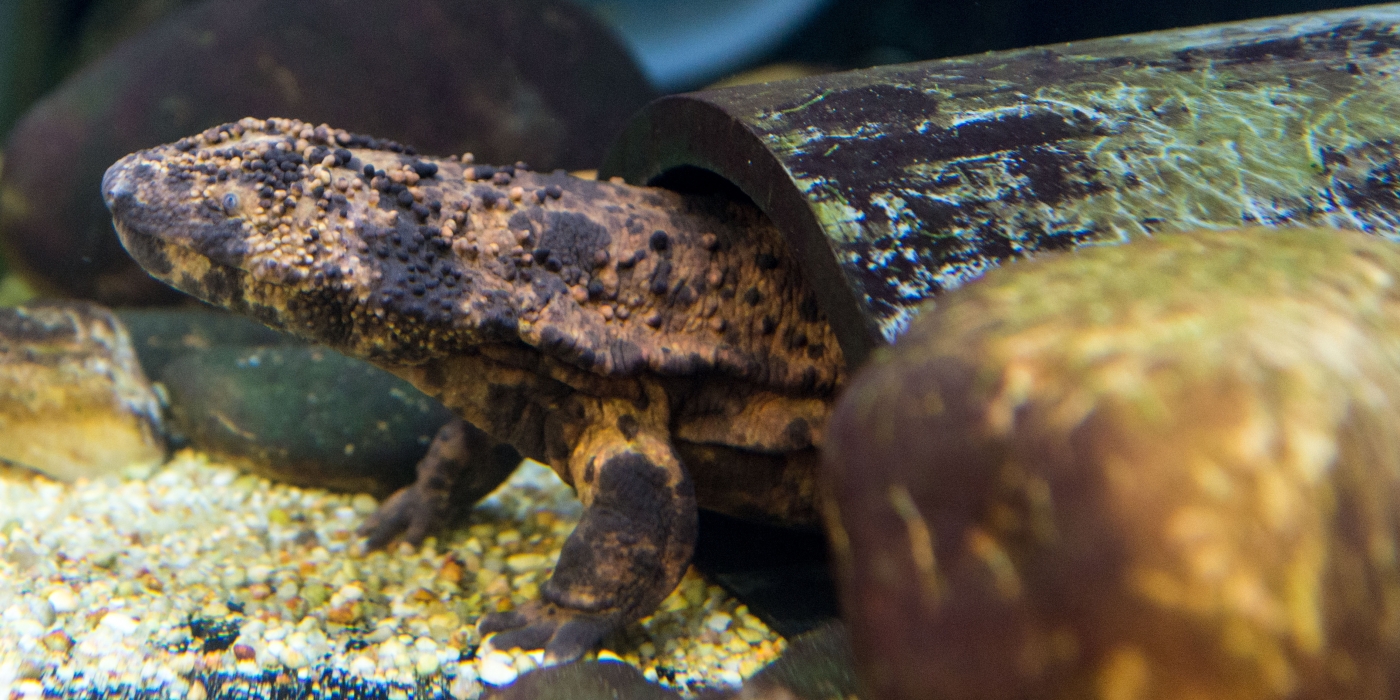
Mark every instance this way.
x=281 y=221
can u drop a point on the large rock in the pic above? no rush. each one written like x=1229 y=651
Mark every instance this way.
x=584 y=680
x=303 y=415
x=817 y=665
x=1168 y=469
x=41 y=41
x=533 y=80
x=73 y=399
x=163 y=335
x=290 y=411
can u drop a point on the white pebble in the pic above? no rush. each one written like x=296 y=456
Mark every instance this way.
x=390 y=650
x=718 y=622
x=252 y=631
x=63 y=600
x=731 y=678
x=467 y=669
x=464 y=688
x=183 y=664
x=109 y=663
x=28 y=689
x=362 y=666
x=528 y=662
x=42 y=611
x=350 y=592
x=496 y=669
x=426 y=664
x=119 y=623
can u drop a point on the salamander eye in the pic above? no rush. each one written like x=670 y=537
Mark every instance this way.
x=230 y=202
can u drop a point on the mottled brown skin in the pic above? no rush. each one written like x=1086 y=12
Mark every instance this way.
x=653 y=348
x=1165 y=470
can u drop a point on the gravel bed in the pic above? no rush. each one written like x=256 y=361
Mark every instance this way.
x=200 y=581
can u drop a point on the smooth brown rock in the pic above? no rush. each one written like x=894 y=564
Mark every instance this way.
x=73 y=399
x=1168 y=469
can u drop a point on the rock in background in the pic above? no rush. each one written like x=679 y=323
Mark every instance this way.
x=303 y=415
x=1166 y=469
x=537 y=81
x=289 y=411
x=74 y=401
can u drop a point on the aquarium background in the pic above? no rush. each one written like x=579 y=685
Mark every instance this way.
x=682 y=44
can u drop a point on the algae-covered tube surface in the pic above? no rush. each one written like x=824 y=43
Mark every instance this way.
x=921 y=177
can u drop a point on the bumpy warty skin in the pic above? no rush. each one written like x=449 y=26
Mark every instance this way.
x=326 y=252
x=441 y=270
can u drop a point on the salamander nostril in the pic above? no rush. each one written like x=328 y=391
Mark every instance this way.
x=118 y=183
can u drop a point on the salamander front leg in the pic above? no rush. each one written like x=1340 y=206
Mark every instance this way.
x=627 y=553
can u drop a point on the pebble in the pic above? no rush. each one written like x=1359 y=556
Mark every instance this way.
x=363 y=666
x=63 y=600
x=466 y=685
x=497 y=668
x=119 y=623
x=426 y=664
x=521 y=563
x=718 y=622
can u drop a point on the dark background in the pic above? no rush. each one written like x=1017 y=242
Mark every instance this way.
x=41 y=41
x=860 y=33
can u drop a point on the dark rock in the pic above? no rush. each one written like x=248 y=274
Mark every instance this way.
x=1165 y=469
x=162 y=335
x=817 y=665
x=583 y=680
x=303 y=415
x=540 y=80
x=41 y=41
